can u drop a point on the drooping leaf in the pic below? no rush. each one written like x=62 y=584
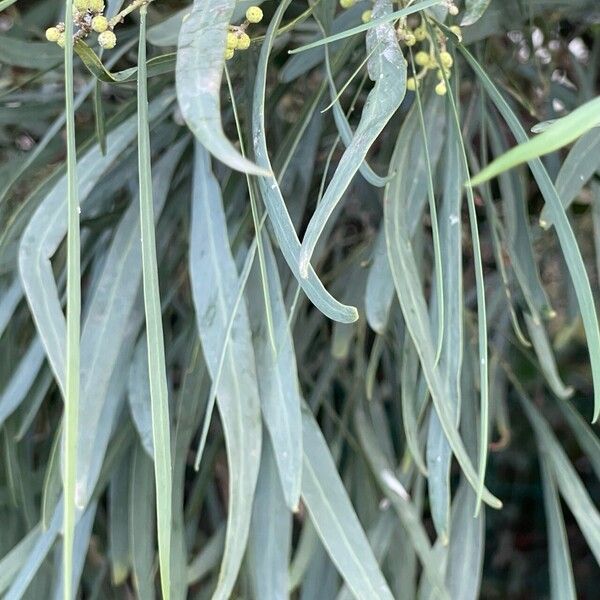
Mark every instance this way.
x=387 y=69
x=200 y=60
x=271 y=194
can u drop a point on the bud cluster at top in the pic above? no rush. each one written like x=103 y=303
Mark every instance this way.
x=237 y=38
x=429 y=55
x=88 y=17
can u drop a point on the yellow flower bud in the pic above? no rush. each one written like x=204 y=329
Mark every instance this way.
x=81 y=5
x=99 y=24
x=366 y=16
x=440 y=88
x=254 y=14
x=410 y=39
x=420 y=34
x=347 y=3
x=422 y=58
x=243 y=42
x=229 y=52
x=107 y=39
x=411 y=84
x=453 y=9
x=446 y=59
x=52 y=34
x=232 y=40
x=96 y=6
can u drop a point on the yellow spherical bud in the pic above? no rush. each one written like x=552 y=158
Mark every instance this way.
x=347 y=3
x=81 y=5
x=366 y=16
x=420 y=34
x=453 y=9
x=229 y=52
x=96 y=6
x=446 y=59
x=410 y=39
x=422 y=58
x=232 y=40
x=243 y=42
x=52 y=34
x=99 y=24
x=440 y=88
x=254 y=14
x=107 y=39
x=411 y=84
x=62 y=40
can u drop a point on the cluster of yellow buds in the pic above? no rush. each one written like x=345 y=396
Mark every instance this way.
x=237 y=38
x=426 y=58
x=87 y=17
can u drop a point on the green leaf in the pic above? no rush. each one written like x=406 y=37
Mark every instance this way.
x=467 y=544
x=270 y=532
x=439 y=454
x=564 y=232
x=387 y=68
x=13 y=561
x=38 y=553
x=45 y=232
x=341 y=120
x=579 y=166
x=571 y=488
x=545 y=354
x=73 y=323
x=29 y=55
x=214 y=283
x=142 y=523
x=474 y=10
x=138 y=395
x=159 y=393
x=159 y=65
x=334 y=518
x=396 y=493
x=519 y=238
x=276 y=373
x=562 y=585
x=412 y=302
x=274 y=202
x=200 y=60
x=561 y=133
x=16 y=390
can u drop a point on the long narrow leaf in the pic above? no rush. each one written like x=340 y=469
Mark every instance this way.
x=159 y=394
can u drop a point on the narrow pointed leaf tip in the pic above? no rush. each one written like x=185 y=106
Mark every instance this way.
x=557 y=135
x=199 y=72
